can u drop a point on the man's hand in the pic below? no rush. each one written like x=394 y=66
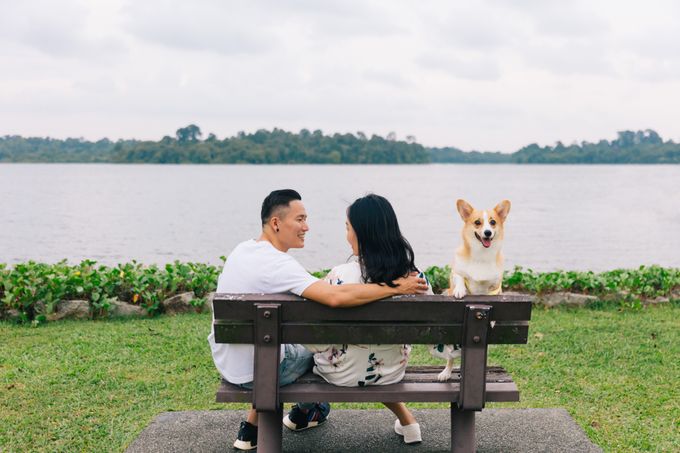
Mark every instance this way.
x=413 y=284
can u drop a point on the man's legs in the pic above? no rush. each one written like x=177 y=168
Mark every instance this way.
x=302 y=415
x=296 y=362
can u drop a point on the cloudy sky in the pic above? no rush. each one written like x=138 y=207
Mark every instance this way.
x=485 y=75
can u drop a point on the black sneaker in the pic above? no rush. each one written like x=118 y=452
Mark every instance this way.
x=298 y=420
x=247 y=437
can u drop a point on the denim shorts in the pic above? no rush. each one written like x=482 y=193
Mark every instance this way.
x=296 y=361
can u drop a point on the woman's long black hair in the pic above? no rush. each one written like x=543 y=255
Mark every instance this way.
x=384 y=254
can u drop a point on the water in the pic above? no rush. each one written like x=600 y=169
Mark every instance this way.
x=562 y=217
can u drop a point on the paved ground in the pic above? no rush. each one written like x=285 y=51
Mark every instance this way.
x=498 y=430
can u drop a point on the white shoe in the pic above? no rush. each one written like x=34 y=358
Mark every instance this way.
x=410 y=432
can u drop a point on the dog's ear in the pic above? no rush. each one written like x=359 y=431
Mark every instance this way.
x=464 y=209
x=503 y=209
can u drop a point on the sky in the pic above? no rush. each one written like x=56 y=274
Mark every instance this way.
x=488 y=75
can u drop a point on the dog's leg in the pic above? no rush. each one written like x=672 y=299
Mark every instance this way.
x=449 y=290
x=445 y=375
x=458 y=286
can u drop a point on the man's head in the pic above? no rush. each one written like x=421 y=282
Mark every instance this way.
x=284 y=219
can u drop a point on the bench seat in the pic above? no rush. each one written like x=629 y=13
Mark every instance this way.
x=420 y=384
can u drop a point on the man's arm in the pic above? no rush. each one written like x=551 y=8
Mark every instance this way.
x=350 y=295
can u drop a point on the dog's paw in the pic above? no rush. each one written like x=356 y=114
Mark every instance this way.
x=459 y=292
x=444 y=376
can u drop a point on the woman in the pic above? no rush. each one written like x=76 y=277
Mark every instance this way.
x=382 y=256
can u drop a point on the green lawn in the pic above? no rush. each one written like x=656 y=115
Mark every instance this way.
x=93 y=386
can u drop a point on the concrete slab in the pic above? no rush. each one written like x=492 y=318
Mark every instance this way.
x=498 y=430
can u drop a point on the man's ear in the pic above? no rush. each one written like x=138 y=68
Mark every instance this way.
x=464 y=209
x=274 y=223
x=503 y=209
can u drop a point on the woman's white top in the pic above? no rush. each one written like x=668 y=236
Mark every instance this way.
x=352 y=365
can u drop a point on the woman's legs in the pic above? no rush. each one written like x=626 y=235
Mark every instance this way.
x=401 y=411
x=406 y=424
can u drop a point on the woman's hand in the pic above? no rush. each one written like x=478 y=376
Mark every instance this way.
x=413 y=284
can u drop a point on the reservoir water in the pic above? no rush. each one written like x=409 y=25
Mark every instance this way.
x=562 y=217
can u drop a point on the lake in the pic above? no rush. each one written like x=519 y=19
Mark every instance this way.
x=562 y=217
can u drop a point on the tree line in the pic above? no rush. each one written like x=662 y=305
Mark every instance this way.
x=306 y=147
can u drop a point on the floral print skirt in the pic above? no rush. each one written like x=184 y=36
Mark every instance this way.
x=358 y=365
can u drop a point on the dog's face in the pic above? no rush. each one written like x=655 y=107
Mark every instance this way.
x=483 y=228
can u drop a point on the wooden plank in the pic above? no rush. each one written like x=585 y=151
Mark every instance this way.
x=420 y=384
x=430 y=372
x=370 y=333
x=450 y=310
x=423 y=392
x=287 y=297
x=422 y=309
x=234 y=332
x=515 y=332
x=415 y=374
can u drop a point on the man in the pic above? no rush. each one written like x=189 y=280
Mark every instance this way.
x=263 y=266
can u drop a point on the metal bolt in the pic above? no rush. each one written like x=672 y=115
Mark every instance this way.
x=267 y=338
x=480 y=315
x=476 y=339
x=267 y=314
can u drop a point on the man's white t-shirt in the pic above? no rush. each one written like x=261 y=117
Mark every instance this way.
x=254 y=267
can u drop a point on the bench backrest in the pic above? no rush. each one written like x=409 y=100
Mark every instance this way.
x=404 y=319
x=267 y=321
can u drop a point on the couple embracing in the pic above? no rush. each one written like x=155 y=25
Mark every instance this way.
x=383 y=267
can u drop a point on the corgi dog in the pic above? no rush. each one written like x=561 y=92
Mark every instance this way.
x=478 y=265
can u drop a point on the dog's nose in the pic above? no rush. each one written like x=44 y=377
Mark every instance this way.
x=487 y=233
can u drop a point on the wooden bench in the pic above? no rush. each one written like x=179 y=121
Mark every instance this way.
x=267 y=321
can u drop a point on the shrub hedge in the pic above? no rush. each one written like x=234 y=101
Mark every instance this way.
x=34 y=289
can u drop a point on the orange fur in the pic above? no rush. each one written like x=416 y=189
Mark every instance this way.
x=478 y=267
x=475 y=261
x=469 y=215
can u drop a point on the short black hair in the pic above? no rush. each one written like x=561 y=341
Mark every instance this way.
x=278 y=198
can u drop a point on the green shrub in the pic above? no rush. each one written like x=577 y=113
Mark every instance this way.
x=320 y=274
x=438 y=277
x=34 y=289
x=646 y=281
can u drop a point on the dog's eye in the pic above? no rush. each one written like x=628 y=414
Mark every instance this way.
x=493 y=222
x=477 y=222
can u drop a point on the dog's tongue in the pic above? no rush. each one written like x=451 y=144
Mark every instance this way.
x=486 y=242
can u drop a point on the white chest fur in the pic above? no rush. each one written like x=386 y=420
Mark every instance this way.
x=482 y=275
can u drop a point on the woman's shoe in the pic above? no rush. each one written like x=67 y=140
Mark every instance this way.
x=410 y=432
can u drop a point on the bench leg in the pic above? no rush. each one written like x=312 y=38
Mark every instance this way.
x=462 y=430
x=269 y=427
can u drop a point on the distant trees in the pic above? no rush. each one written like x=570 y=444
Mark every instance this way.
x=630 y=138
x=189 y=134
x=276 y=146
x=640 y=147
x=455 y=155
x=14 y=148
x=313 y=147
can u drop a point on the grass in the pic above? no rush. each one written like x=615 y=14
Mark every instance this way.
x=94 y=385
